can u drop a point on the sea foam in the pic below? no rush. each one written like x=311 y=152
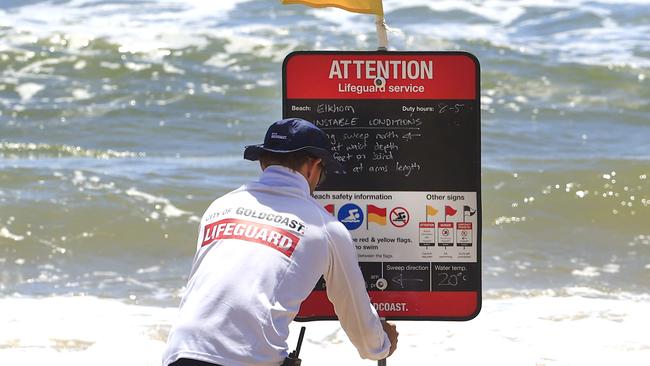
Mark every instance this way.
x=576 y=327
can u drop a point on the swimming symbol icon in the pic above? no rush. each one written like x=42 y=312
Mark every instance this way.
x=351 y=216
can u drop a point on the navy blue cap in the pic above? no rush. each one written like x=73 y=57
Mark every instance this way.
x=292 y=135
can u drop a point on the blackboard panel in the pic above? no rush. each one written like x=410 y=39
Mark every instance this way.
x=406 y=126
x=412 y=145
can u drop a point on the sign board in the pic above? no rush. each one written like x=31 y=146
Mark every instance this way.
x=406 y=126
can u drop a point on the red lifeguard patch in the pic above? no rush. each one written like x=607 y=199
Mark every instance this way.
x=271 y=236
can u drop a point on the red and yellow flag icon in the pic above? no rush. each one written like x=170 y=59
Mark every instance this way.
x=330 y=208
x=356 y=6
x=376 y=214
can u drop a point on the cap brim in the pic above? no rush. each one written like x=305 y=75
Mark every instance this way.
x=253 y=152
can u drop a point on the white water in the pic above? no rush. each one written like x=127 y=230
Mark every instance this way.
x=579 y=327
x=603 y=34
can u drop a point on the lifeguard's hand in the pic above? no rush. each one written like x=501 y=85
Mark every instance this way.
x=391 y=332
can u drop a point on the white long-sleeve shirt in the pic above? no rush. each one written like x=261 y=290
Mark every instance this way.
x=260 y=251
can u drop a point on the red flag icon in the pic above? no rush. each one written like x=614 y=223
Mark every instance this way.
x=330 y=208
x=450 y=211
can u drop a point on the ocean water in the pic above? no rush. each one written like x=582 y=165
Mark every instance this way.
x=120 y=121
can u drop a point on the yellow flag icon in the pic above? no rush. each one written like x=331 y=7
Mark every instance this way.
x=431 y=211
x=357 y=6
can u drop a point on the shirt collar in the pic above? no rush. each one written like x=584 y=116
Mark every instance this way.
x=279 y=176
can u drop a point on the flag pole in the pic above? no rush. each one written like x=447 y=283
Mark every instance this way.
x=367 y=218
x=382 y=37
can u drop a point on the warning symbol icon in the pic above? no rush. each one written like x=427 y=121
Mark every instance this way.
x=446 y=234
x=399 y=217
x=464 y=232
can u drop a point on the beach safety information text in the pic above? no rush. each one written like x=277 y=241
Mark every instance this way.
x=406 y=126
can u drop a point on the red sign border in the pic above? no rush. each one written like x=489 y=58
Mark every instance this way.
x=479 y=291
x=470 y=302
x=457 y=94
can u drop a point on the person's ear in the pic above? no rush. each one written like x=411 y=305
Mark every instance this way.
x=312 y=168
x=313 y=172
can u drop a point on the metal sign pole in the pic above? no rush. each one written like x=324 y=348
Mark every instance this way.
x=381 y=362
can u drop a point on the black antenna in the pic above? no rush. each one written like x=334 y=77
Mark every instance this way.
x=292 y=359
x=300 y=337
